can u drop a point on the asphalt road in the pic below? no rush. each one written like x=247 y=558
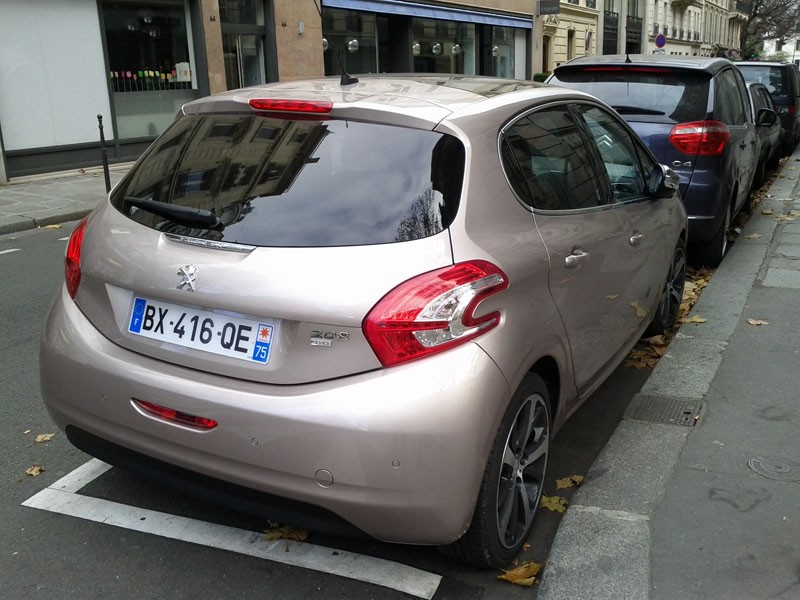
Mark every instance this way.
x=47 y=554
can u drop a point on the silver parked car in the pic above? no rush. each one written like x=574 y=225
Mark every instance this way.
x=368 y=304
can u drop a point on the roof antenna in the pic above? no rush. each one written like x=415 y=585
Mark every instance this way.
x=346 y=78
x=628 y=58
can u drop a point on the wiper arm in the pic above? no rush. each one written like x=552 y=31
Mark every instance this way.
x=636 y=110
x=183 y=215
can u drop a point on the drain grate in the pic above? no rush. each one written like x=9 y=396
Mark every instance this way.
x=781 y=469
x=663 y=409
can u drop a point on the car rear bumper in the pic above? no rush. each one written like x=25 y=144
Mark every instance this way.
x=404 y=447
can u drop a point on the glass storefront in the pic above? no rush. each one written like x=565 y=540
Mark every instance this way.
x=364 y=42
x=150 y=63
x=443 y=47
x=350 y=41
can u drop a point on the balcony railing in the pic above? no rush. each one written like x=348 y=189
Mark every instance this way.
x=655 y=28
x=680 y=34
x=666 y=30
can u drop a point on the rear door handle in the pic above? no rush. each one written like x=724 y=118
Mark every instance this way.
x=636 y=239
x=575 y=259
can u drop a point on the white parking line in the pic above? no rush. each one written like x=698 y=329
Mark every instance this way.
x=61 y=497
x=10 y=250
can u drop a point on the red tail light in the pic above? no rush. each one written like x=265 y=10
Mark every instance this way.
x=300 y=106
x=176 y=416
x=433 y=312
x=705 y=138
x=72 y=261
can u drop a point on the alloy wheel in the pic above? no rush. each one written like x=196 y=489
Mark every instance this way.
x=522 y=471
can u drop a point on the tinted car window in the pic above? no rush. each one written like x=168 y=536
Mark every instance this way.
x=728 y=102
x=618 y=153
x=298 y=183
x=678 y=96
x=775 y=78
x=547 y=162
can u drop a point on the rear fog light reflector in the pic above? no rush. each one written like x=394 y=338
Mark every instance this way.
x=175 y=416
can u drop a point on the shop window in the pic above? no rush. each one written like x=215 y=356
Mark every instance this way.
x=502 y=62
x=150 y=65
x=443 y=47
x=243 y=40
x=350 y=42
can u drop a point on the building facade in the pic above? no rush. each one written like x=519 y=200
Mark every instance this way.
x=135 y=62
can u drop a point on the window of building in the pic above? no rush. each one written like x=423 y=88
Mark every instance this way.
x=443 y=47
x=150 y=65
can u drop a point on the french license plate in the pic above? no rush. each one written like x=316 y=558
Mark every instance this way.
x=201 y=330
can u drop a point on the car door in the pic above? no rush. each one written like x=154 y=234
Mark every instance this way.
x=626 y=171
x=732 y=107
x=581 y=230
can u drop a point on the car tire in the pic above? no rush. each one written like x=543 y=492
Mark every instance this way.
x=711 y=253
x=672 y=293
x=512 y=481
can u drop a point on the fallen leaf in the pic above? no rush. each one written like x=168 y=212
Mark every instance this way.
x=784 y=219
x=287 y=532
x=568 y=482
x=767 y=211
x=526 y=546
x=52 y=226
x=35 y=471
x=612 y=296
x=657 y=340
x=524 y=575
x=640 y=312
x=554 y=503
x=26 y=432
x=694 y=319
x=795 y=213
x=81 y=171
x=757 y=322
x=45 y=437
x=752 y=236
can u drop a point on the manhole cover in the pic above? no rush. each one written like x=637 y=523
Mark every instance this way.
x=664 y=409
x=775 y=467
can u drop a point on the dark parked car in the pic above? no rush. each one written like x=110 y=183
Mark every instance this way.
x=768 y=130
x=695 y=115
x=373 y=303
x=783 y=83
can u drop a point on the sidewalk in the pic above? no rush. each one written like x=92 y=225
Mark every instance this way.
x=710 y=511
x=39 y=200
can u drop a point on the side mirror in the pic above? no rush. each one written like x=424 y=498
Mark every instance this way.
x=664 y=182
x=766 y=117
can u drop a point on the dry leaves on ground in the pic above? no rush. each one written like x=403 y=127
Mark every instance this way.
x=524 y=575
x=752 y=236
x=554 y=503
x=44 y=437
x=757 y=322
x=693 y=319
x=286 y=532
x=35 y=470
x=568 y=482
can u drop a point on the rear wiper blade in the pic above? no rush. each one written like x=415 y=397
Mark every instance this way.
x=636 y=110
x=183 y=215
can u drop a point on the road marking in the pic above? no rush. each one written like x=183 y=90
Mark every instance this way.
x=9 y=251
x=61 y=497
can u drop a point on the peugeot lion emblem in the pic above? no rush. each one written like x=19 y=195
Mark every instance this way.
x=189 y=274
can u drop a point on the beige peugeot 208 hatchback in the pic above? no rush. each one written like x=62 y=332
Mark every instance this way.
x=368 y=304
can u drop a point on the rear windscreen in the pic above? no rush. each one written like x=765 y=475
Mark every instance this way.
x=651 y=93
x=270 y=181
x=774 y=78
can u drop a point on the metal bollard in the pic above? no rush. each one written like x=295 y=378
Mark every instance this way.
x=104 y=153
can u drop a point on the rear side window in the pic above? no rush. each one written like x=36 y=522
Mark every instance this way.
x=547 y=163
x=729 y=104
x=650 y=93
x=775 y=78
x=272 y=181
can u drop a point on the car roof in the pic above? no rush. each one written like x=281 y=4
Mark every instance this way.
x=763 y=63
x=421 y=99
x=697 y=63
